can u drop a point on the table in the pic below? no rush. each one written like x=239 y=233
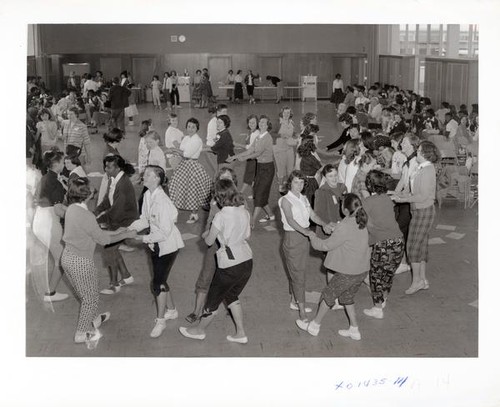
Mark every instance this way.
x=292 y=88
x=263 y=88
x=137 y=95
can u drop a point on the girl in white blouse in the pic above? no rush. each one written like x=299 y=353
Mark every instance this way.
x=164 y=239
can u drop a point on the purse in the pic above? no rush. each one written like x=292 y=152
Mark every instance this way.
x=231 y=256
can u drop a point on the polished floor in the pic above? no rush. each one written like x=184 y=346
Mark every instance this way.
x=439 y=322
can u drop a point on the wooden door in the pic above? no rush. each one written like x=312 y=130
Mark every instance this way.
x=110 y=67
x=143 y=70
x=218 y=66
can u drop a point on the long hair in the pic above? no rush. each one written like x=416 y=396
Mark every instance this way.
x=226 y=194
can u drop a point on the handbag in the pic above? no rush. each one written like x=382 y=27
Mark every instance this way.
x=231 y=256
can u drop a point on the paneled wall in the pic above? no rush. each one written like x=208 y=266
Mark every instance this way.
x=291 y=66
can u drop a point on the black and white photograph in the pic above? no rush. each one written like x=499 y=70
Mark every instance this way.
x=267 y=197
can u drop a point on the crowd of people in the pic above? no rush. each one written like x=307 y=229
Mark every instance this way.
x=370 y=195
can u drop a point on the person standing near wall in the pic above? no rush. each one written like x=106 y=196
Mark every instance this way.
x=118 y=98
x=276 y=82
x=337 y=91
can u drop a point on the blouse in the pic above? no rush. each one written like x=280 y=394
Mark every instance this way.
x=261 y=149
x=233 y=224
x=159 y=214
x=212 y=131
x=301 y=210
x=191 y=146
x=338 y=84
x=48 y=131
x=347 y=172
x=156 y=156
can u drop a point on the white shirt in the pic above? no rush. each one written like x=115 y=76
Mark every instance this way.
x=376 y=112
x=114 y=181
x=398 y=159
x=89 y=85
x=301 y=210
x=452 y=127
x=159 y=214
x=253 y=136
x=338 y=84
x=212 y=131
x=173 y=134
x=347 y=172
x=79 y=171
x=406 y=174
x=156 y=156
x=233 y=224
x=191 y=146
x=412 y=176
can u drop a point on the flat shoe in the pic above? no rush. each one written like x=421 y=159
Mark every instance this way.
x=100 y=319
x=426 y=285
x=185 y=333
x=191 y=318
x=237 y=340
x=295 y=307
x=267 y=219
x=414 y=289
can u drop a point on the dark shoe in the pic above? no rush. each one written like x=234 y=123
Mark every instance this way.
x=191 y=318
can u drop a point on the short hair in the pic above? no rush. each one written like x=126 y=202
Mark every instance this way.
x=350 y=110
x=250 y=117
x=377 y=182
x=226 y=194
x=295 y=174
x=78 y=190
x=353 y=204
x=338 y=75
x=153 y=134
x=346 y=118
x=308 y=117
x=286 y=108
x=116 y=159
x=223 y=170
x=159 y=172
x=44 y=111
x=413 y=139
x=269 y=125
x=194 y=121
x=221 y=106
x=148 y=122
x=52 y=157
x=115 y=135
x=329 y=168
x=225 y=119
x=74 y=159
x=429 y=151
x=351 y=150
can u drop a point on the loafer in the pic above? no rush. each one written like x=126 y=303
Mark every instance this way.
x=417 y=287
x=237 y=340
x=374 y=312
x=309 y=327
x=98 y=321
x=350 y=333
x=295 y=307
x=184 y=332
x=55 y=297
x=267 y=219
x=403 y=268
x=126 y=281
x=191 y=318
x=192 y=219
x=112 y=289
x=171 y=314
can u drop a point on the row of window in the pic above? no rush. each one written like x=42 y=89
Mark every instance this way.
x=431 y=39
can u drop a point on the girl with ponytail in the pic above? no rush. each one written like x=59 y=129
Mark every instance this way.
x=348 y=259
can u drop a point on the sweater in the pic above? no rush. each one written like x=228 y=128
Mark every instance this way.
x=81 y=232
x=382 y=223
x=347 y=247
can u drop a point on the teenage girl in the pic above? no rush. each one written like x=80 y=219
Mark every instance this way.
x=251 y=163
x=349 y=259
x=156 y=89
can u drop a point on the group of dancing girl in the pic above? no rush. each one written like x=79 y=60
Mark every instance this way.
x=366 y=203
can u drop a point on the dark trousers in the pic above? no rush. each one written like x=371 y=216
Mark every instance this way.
x=161 y=269
x=117 y=119
x=174 y=97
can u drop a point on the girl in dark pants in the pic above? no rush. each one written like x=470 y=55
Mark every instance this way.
x=231 y=226
x=209 y=263
x=164 y=239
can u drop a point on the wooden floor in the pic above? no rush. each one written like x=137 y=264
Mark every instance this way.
x=439 y=322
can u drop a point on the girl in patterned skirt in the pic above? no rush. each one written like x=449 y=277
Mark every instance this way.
x=386 y=240
x=190 y=185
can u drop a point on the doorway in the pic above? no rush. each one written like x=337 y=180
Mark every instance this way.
x=143 y=70
x=218 y=66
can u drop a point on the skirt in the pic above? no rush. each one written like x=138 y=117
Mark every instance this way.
x=337 y=96
x=190 y=186
x=238 y=90
x=418 y=234
x=250 y=170
x=131 y=111
x=263 y=181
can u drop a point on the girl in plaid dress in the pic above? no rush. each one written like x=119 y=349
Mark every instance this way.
x=190 y=185
x=421 y=198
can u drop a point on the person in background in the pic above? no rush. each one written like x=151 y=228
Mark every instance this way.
x=276 y=82
x=165 y=87
x=131 y=110
x=174 y=90
x=118 y=98
x=250 y=84
x=346 y=122
x=251 y=163
x=337 y=91
x=173 y=139
x=156 y=91
x=76 y=137
x=230 y=82
x=238 y=87
x=46 y=130
x=212 y=124
x=283 y=149
x=196 y=94
x=224 y=146
x=164 y=241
